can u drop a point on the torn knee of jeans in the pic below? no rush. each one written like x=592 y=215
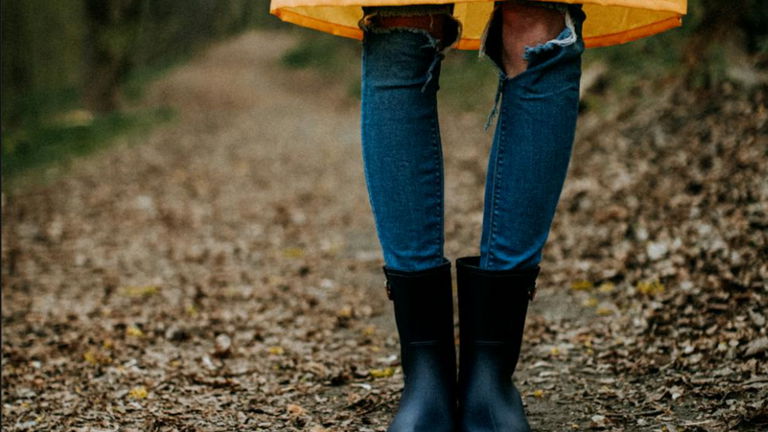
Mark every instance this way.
x=491 y=44
x=565 y=38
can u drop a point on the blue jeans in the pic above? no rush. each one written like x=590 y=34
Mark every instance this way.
x=402 y=153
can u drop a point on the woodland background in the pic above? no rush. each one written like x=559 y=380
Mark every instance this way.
x=187 y=243
x=75 y=59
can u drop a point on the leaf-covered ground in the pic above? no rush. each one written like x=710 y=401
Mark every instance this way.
x=222 y=273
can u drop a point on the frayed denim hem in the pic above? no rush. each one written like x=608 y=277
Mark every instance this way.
x=367 y=24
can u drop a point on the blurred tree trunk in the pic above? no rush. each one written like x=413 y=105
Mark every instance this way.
x=726 y=41
x=112 y=30
x=744 y=22
x=41 y=57
x=15 y=70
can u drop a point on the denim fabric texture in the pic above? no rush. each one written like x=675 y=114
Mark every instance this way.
x=528 y=161
x=402 y=151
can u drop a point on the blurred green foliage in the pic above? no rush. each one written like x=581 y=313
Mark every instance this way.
x=40 y=72
x=333 y=58
x=319 y=50
x=62 y=56
x=47 y=45
x=713 y=33
x=73 y=134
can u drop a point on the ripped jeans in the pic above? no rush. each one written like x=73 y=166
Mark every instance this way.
x=402 y=152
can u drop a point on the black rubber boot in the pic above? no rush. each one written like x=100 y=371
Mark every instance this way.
x=423 y=304
x=492 y=309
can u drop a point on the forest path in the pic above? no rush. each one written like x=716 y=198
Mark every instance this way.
x=223 y=274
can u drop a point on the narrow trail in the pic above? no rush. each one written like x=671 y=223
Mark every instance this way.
x=222 y=273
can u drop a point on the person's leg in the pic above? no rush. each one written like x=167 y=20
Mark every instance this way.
x=538 y=52
x=401 y=147
x=403 y=164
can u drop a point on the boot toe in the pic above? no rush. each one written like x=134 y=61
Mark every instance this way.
x=423 y=416
x=494 y=411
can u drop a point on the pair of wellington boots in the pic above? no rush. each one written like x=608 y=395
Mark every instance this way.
x=492 y=309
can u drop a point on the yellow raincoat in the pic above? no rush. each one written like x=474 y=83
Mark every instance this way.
x=609 y=22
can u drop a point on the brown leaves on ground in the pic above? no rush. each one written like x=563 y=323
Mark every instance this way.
x=225 y=275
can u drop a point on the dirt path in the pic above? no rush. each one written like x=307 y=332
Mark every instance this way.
x=223 y=273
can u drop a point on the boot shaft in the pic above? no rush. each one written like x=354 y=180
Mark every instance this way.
x=423 y=307
x=423 y=303
x=492 y=310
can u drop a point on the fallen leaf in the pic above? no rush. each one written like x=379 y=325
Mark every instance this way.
x=590 y=302
x=222 y=345
x=191 y=311
x=139 y=392
x=606 y=287
x=95 y=358
x=293 y=252
x=382 y=373
x=757 y=346
x=295 y=410
x=599 y=420
x=345 y=312
x=134 y=331
x=582 y=285
x=652 y=288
